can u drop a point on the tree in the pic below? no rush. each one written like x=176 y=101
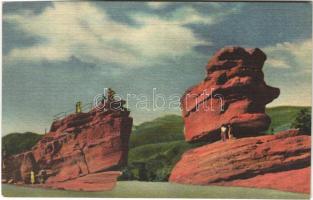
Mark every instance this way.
x=16 y=143
x=110 y=95
x=303 y=121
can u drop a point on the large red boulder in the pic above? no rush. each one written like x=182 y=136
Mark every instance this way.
x=85 y=143
x=280 y=161
x=78 y=145
x=233 y=92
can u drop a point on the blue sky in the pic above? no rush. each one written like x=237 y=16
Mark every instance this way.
x=57 y=53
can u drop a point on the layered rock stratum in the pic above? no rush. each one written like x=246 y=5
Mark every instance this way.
x=280 y=161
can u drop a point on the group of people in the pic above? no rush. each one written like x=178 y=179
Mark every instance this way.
x=227 y=132
x=40 y=178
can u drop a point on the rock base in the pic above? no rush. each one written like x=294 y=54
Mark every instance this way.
x=280 y=161
x=90 y=183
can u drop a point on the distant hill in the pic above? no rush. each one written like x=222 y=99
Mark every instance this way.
x=283 y=116
x=15 y=143
x=163 y=129
x=170 y=127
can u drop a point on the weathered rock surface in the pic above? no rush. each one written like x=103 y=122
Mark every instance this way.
x=28 y=163
x=297 y=180
x=233 y=92
x=278 y=161
x=80 y=144
x=92 y=182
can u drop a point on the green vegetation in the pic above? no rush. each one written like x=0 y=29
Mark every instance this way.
x=155 y=147
x=303 y=121
x=135 y=189
x=15 y=143
x=154 y=162
x=283 y=116
x=163 y=129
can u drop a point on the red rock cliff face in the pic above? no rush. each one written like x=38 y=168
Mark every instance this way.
x=78 y=145
x=233 y=92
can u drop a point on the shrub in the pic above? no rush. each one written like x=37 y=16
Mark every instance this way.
x=15 y=143
x=303 y=121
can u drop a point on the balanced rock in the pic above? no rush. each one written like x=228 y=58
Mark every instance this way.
x=233 y=92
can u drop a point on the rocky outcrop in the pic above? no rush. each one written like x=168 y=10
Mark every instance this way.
x=78 y=145
x=233 y=92
x=280 y=161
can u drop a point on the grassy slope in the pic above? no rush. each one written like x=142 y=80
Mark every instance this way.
x=160 y=158
x=283 y=116
x=163 y=129
x=150 y=151
x=135 y=189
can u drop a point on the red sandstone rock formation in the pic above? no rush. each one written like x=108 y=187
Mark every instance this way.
x=280 y=161
x=233 y=92
x=235 y=81
x=80 y=144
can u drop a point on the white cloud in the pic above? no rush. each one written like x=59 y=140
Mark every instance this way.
x=158 y=5
x=186 y=15
x=85 y=31
x=290 y=65
x=290 y=55
x=278 y=63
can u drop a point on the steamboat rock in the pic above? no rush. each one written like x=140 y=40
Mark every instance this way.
x=79 y=145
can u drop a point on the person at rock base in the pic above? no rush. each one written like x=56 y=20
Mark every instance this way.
x=32 y=177
x=42 y=176
x=230 y=132
x=223 y=132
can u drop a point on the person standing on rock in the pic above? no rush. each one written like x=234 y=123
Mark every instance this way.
x=230 y=132
x=223 y=132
